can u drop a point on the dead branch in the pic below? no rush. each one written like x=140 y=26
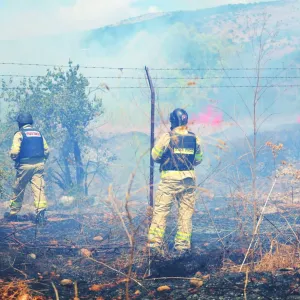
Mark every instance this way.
x=55 y=291
x=246 y=283
x=258 y=223
x=117 y=271
x=111 y=198
x=129 y=217
x=76 y=291
x=167 y=278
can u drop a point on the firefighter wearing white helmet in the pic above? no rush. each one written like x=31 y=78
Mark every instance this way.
x=177 y=152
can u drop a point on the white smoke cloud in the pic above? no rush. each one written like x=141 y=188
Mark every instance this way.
x=154 y=9
x=86 y=14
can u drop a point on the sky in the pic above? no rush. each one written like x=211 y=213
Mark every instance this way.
x=20 y=19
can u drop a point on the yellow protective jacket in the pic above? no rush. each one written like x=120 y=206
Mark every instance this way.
x=161 y=146
x=16 y=148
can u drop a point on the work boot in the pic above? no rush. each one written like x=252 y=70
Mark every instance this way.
x=40 y=218
x=9 y=217
x=181 y=253
x=156 y=251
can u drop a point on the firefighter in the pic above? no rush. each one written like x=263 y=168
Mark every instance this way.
x=29 y=150
x=177 y=152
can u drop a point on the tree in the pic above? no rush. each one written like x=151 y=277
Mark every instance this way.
x=62 y=107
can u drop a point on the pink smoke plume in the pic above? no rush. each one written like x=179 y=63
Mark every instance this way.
x=298 y=119
x=208 y=117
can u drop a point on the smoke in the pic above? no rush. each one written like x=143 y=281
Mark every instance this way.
x=167 y=41
x=208 y=117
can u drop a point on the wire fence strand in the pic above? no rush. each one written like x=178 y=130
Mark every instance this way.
x=163 y=78
x=154 y=69
x=172 y=87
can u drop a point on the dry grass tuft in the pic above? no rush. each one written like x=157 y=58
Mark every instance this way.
x=17 y=290
x=282 y=257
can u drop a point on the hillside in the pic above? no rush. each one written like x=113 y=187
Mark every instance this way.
x=204 y=40
x=235 y=69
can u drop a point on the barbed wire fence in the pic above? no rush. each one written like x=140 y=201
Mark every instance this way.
x=181 y=82
x=188 y=82
x=137 y=80
x=189 y=85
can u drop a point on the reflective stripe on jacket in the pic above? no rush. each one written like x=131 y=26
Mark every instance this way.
x=180 y=153
x=161 y=147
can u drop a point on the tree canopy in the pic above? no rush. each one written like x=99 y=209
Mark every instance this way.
x=62 y=107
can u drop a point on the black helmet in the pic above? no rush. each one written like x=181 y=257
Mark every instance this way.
x=25 y=118
x=178 y=117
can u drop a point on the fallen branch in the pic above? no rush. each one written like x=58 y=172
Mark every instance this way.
x=76 y=291
x=117 y=271
x=167 y=278
x=246 y=283
x=21 y=229
x=24 y=274
x=55 y=291
x=12 y=266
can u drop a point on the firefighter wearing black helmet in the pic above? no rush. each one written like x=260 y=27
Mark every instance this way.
x=29 y=150
x=177 y=152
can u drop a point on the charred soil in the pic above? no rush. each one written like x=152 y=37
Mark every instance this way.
x=83 y=257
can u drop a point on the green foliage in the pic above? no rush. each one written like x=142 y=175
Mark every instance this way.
x=6 y=170
x=58 y=101
x=6 y=176
x=2 y=181
x=62 y=107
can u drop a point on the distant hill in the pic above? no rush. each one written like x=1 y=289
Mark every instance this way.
x=205 y=40
x=129 y=147
x=240 y=156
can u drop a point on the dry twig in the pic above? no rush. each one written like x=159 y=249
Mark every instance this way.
x=76 y=291
x=246 y=283
x=117 y=271
x=258 y=223
x=55 y=290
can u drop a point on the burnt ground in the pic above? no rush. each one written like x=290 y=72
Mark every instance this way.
x=44 y=256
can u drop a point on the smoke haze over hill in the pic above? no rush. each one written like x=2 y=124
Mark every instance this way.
x=198 y=59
